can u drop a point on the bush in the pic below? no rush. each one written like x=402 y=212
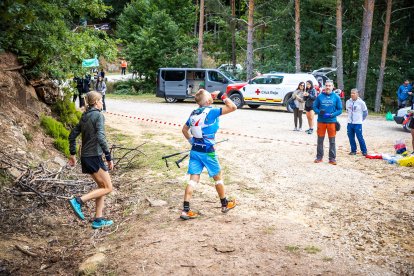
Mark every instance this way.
x=62 y=145
x=66 y=111
x=54 y=128
x=131 y=87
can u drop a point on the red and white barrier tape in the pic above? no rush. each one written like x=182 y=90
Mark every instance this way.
x=160 y=122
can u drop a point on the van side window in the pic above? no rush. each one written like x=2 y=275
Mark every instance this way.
x=259 y=81
x=215 y=76
x=275 y=80
x=173 y=75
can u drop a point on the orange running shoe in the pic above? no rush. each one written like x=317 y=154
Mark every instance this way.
x=230 y=205
x=188 y=215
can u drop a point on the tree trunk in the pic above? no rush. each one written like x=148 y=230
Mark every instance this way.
x=249 y=58
x=195 y=22
x=200 y=36
x=233 y=32
x=297 y=35
x=339 y=52
x=364 y=46
x=383 y=57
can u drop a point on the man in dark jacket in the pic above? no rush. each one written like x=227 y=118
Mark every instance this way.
x=79 y=87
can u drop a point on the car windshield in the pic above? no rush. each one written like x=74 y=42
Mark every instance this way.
x=229 y=76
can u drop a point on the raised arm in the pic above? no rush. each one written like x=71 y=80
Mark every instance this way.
x=229 y=105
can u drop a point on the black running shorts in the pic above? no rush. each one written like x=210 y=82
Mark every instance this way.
x=92 y=164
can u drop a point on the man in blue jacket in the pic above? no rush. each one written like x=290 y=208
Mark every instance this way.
x=403 y=92
x=327 y=105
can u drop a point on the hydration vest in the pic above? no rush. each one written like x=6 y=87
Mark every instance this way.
x=197 y=122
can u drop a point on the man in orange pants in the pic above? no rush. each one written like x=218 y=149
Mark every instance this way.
x=328 y=106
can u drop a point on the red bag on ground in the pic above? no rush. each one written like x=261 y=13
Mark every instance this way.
x=374 y=156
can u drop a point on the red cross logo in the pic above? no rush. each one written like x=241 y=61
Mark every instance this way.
x=257 y=91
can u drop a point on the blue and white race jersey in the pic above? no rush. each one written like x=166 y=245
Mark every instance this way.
x=204 y=123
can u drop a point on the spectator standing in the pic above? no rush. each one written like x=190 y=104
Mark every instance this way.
x=298 y=97
x=328 y=106
x=86 y=82
x=357 y=112
x=100 y=87
x=102 y=74
x=124 y=66
x=403 y=93
x=79 y=88
x=309 y=97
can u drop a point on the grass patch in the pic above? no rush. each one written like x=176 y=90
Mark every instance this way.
x=56 y=130
x=292 y=248
x=153 y=153
x=312 y=249
x=5 y=179
x=269 y=229
x=327 y=259
x=137 y=98
x=28 y=136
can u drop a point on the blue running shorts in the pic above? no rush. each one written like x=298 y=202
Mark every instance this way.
x=199 y=160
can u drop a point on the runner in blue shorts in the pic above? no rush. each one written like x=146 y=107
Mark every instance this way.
x=200 y=130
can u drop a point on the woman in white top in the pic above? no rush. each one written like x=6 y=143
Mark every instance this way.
x=300 y=105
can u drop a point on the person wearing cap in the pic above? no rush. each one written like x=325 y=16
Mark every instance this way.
x=200 y=131
x=94 y=145
x=357 y=112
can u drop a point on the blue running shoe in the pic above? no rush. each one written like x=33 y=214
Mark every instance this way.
x=76 y=207
x=97 y=224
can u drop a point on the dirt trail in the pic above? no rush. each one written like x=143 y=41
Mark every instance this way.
x=294 y=216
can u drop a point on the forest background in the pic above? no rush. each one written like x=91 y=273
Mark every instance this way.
x=51 y=38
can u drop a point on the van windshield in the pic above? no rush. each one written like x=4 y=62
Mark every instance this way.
x=229 y=76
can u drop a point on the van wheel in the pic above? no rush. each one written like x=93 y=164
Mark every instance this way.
x=237 y=100
x=254 y=106
x=170 y=100
x=406 y=128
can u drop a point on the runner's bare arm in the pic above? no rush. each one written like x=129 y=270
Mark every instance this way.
x=229 y=105
x=186 y=132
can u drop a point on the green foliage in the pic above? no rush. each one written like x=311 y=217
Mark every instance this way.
x=132 y=87
x=156 y=35
x=28 y=136
x=56 y=130
x=67 y=112
x=42 y=34
x=62 y=145
x=5 y=179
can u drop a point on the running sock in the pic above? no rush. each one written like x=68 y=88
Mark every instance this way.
x=79 y=200
x=98 y=219
x=186 y=206
x=223 y=202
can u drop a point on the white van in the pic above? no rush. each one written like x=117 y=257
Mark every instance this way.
x=268 y=89
x=178 y=84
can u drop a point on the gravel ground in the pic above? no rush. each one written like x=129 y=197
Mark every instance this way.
x=294 y=216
